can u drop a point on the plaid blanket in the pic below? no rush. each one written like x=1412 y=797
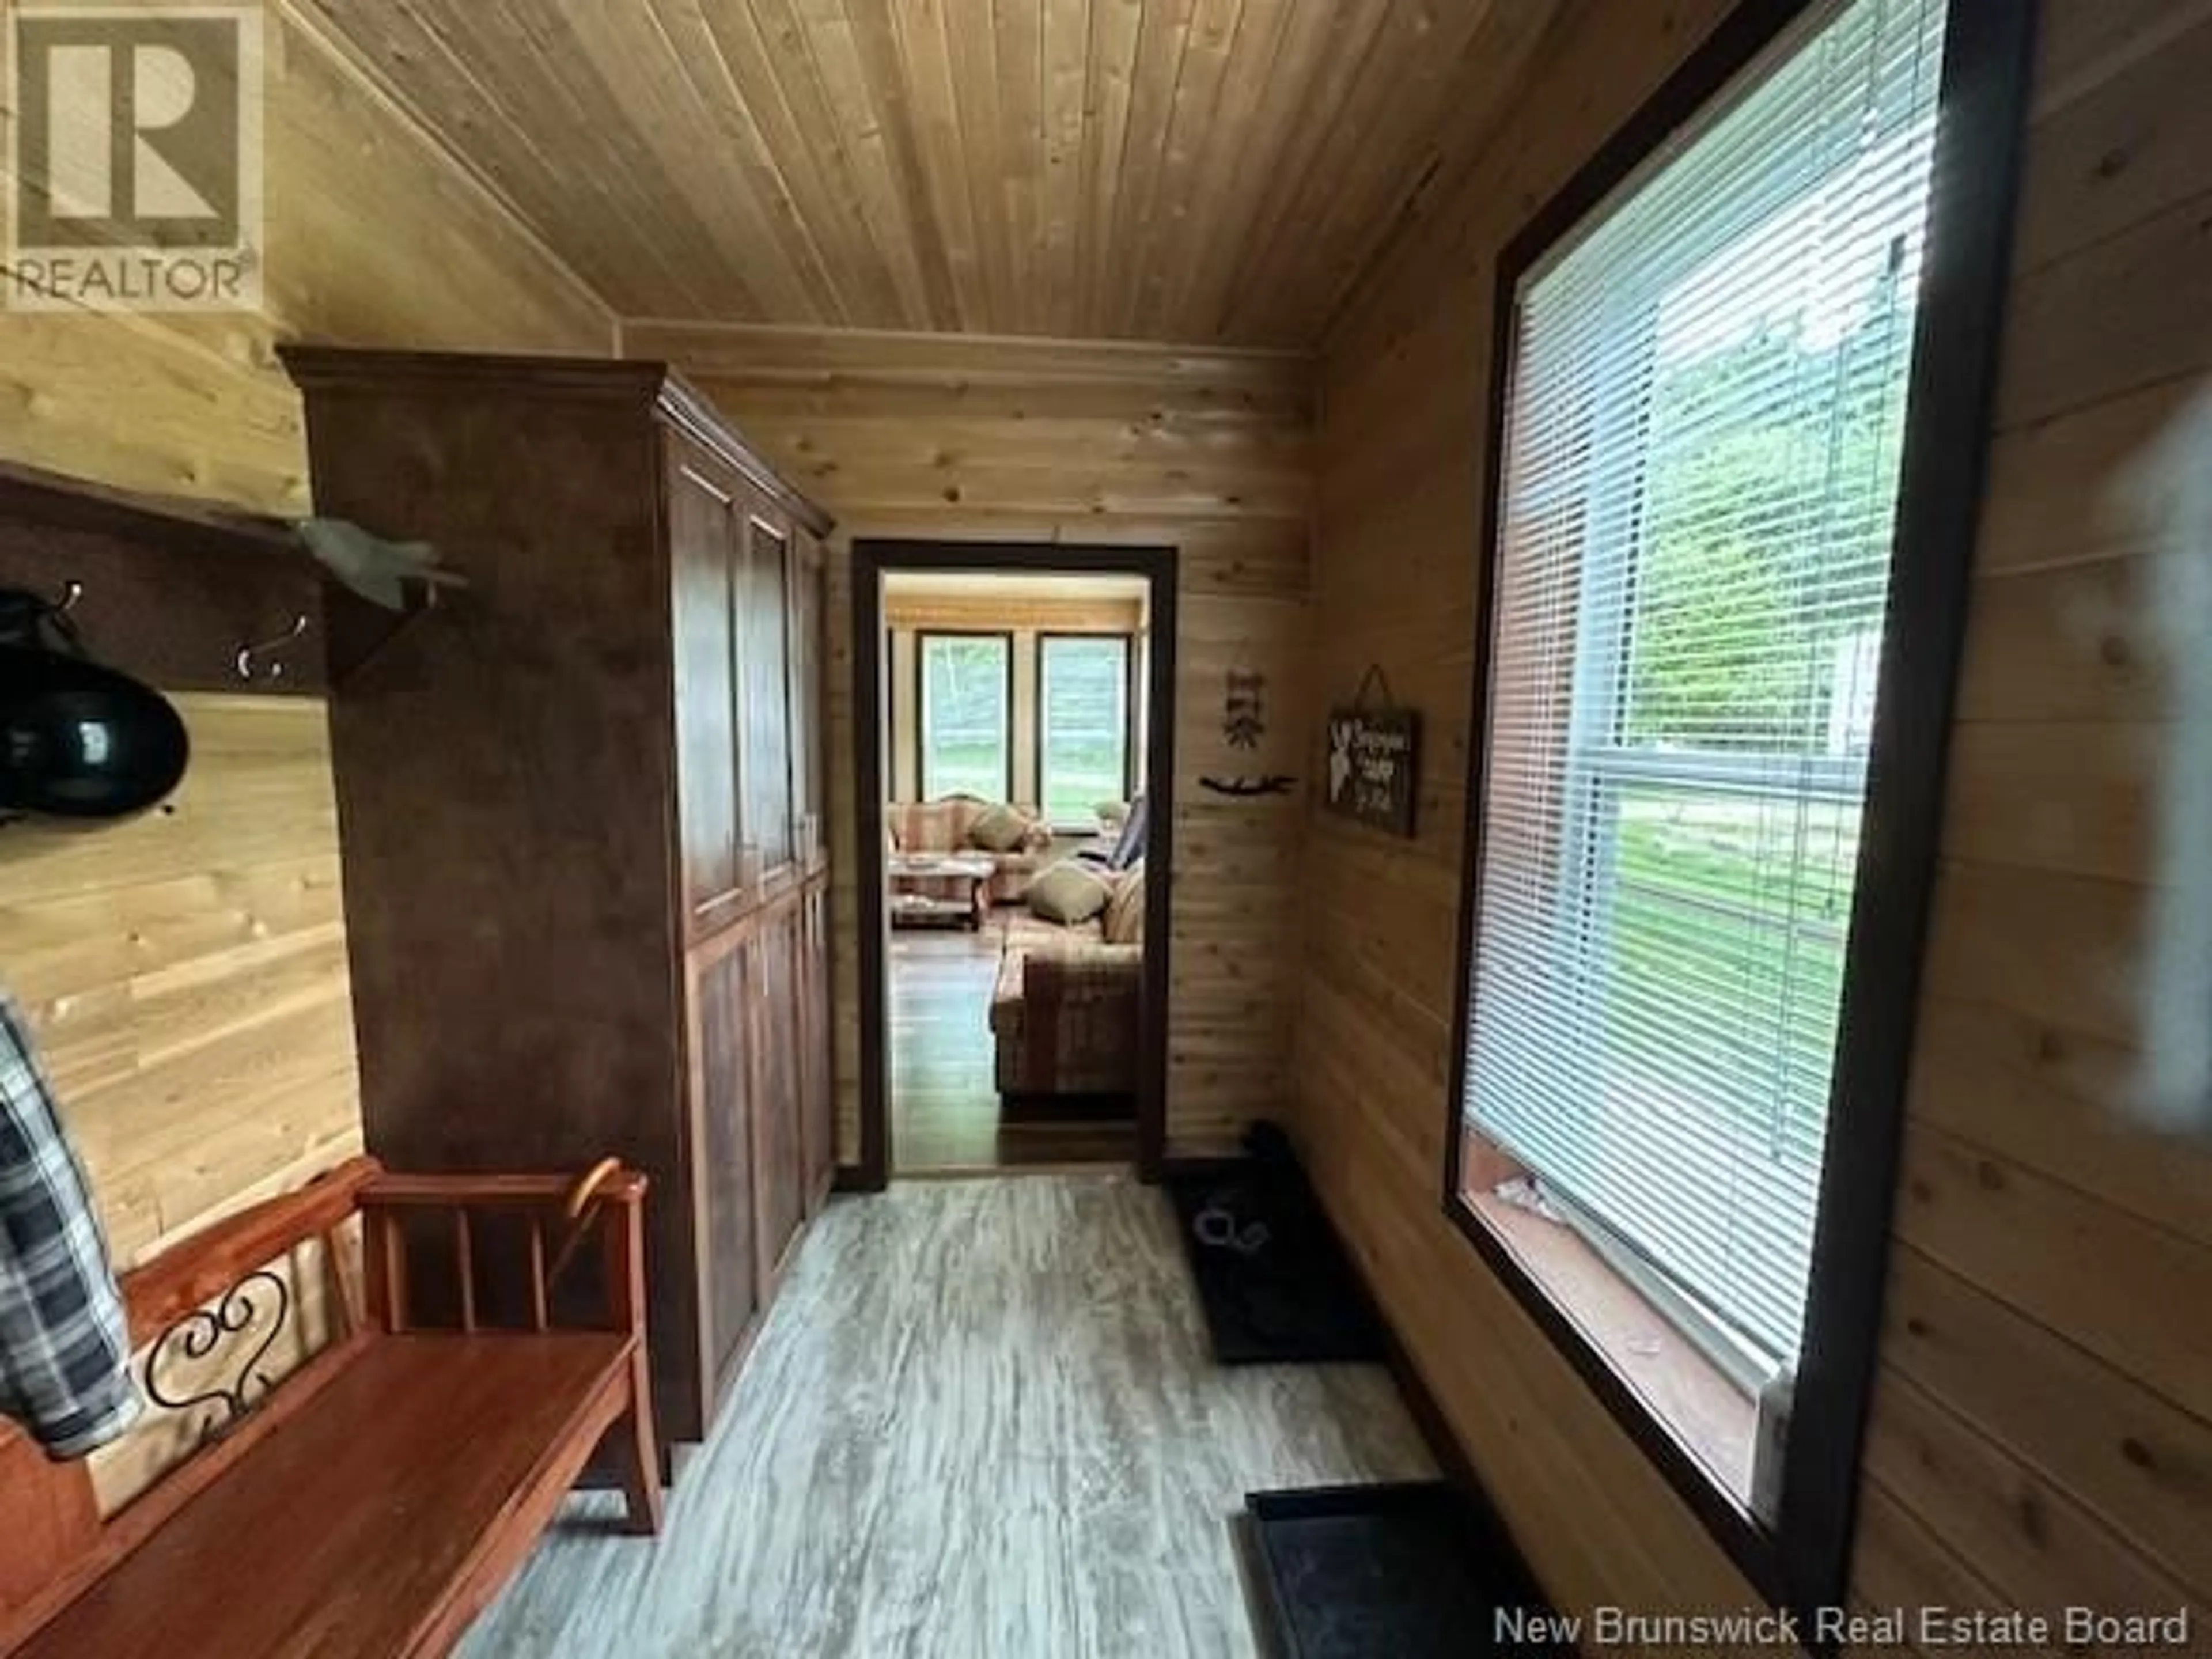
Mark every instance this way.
x=64 y=1341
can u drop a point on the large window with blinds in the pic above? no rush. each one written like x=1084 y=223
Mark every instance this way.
x=1689 y=605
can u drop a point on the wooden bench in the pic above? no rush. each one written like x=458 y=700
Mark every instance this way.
x=374 y=1501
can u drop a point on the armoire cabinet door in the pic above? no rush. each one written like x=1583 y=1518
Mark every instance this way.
x=762 y=625
x=702 y=535
x=810 y=667
x=819 y=1102
x=725 y=990
x=779 y=1145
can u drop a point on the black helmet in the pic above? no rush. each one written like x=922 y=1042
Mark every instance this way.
x=77 y=740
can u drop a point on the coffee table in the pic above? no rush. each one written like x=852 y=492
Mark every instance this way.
x=966 y=874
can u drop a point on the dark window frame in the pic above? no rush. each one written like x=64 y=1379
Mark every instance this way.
x=1128 y=642
x=921 y=639
x=1803 y=1563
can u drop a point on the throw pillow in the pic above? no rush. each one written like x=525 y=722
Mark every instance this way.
x=998 y=830
x=1069 y=895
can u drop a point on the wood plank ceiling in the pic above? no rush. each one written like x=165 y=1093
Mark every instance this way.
x=1202 y=171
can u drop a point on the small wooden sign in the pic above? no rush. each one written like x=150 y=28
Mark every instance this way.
x=1374 y=766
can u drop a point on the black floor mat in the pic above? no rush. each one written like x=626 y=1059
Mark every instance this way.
x=1389 y=1572
x=1291 y=1298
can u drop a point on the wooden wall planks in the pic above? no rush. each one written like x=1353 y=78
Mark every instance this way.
x=1046 y=440
x=374 y=237
x=187 y=971
x=2042 y=1433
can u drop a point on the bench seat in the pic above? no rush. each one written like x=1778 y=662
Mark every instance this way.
x=359 y=1517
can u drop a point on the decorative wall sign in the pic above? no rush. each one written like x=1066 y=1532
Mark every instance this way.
x=1244 y=709
x=1374 y=760
x=1274 y=783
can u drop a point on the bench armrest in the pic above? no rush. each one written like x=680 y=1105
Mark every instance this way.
x=210 y=1262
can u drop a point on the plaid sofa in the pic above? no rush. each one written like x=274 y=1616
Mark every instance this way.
x=942 y=826
x=1064 y=1014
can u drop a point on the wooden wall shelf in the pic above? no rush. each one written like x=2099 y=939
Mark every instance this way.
x=172 y=589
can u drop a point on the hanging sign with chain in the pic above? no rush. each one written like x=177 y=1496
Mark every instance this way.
x=1374 y=756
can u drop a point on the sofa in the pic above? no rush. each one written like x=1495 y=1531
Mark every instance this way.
x=1065 y=1014
x=944 y=826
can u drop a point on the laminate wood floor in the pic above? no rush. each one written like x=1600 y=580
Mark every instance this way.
x=978 y=1422
x=944 y=1095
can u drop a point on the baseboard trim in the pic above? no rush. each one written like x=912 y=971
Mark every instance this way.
x=1452 y=1461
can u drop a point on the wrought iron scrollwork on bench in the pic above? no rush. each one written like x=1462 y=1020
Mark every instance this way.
x=259 y=1297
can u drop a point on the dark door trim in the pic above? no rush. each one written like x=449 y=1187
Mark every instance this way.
x=872 y=558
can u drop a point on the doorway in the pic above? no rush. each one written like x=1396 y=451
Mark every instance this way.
x=1015 y=714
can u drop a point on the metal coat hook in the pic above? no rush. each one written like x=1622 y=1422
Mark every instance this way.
x=26 y=617
x=272 y=649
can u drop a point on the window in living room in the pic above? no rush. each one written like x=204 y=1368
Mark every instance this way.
x=967 y=704
x=1703 y=424
x=1084 y=740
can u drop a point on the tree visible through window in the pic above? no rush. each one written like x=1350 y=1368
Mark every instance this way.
x=1083 y=730
x=967 y=715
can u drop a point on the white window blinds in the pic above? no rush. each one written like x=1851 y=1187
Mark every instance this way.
x=1703 y=438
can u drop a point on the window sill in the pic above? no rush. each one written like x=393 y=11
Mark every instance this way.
x=1700 y=1404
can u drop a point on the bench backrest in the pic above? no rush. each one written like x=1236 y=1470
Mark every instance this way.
x=49 y=1512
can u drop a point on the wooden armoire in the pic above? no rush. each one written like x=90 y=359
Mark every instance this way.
x=581 y=811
